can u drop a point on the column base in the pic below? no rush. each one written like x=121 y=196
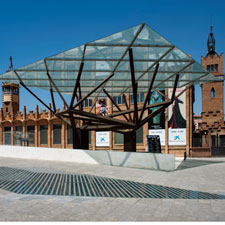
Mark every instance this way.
x=130 y=141
x=80 y=139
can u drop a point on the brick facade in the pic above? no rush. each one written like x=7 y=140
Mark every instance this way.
x=37 y=119
x=210 y=129
x=213 y=97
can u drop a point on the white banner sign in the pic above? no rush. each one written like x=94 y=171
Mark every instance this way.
x=102 y=138
x=160 y=133
x=177 y=136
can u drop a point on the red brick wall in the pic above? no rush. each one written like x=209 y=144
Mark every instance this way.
x=213 y=108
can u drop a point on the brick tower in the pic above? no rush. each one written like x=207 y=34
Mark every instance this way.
x=213 y=93
x=10 y=96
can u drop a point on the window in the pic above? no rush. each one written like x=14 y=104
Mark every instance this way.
x=216 y=67
x=69 y=135
x=43 y=134
x=6 y=109
x=213 y=138
x=7 y=90
x=123 y=100
x=86 y=102
x=90 y=102
x=142 y=97
x=132 y=99
x=212 y=94
x=7 y=136
x=57 y=134
x=19 y=129
x=118 y=138
x=137 y=97
x=15 y=90
x=18 y=134
x=212 y=68
x=119 y=100
x=222 y=140
x=139 y=136
x=30 y=132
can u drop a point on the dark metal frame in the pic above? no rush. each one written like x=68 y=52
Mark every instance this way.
x=91 y=121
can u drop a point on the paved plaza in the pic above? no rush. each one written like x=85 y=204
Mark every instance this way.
x=199 y=175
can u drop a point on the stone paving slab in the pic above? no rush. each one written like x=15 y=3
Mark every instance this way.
x=194 y=174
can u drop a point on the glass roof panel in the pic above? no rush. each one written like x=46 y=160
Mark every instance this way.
x=39 y=65
x=10 y=77
x=110 y=54
x=104 y=52
x=75 y=53
x=123 y=37
x=149 y=37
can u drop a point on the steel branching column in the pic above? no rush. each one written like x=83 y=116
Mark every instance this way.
x=133 y=118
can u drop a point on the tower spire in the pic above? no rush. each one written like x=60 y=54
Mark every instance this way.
x=211 y=42
x=10 y=64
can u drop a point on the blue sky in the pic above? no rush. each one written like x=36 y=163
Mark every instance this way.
x=32 y=30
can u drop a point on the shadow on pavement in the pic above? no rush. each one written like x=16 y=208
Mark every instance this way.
x=191 y=163
x=23 y=181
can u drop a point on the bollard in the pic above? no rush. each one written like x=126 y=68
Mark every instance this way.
x=185 y=155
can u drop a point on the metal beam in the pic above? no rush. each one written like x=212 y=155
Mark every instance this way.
x=103 y=127
x=125 y=100
x=127 y=45
x=92 y=91
x=107 y=119
x=152 y=115
x=125 y=52
x=161 y=93
x=134 y=85
x=157 y=61
x=76 y=84
x=189 y=82
x=112 y=80
x=114 y=103
x=140 y=108
x=162 y=107
x=56 y=88
x=180 y=71
x=115 y=60
x=149 y=91
x=175 y=87
x=95 y=70
x=22 y=83
x=53 y=100
x=52 y=95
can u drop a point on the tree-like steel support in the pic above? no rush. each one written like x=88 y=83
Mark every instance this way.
x=91 y=121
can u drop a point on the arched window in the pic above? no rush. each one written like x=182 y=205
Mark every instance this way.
x=212 y=93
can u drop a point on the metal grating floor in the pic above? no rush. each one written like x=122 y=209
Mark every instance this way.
x=25 y=181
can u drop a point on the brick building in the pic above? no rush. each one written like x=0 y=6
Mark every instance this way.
x=160 y=68
x=43 y=129
x=210 y=129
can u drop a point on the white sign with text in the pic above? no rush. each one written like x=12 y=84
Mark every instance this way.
x=102 y=138
x=177 y=136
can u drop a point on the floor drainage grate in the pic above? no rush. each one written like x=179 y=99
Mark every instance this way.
x=23 y=181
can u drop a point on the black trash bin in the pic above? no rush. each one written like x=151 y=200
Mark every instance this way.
x=154 y=144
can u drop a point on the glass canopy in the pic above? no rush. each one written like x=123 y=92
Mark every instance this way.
x=110 y=55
